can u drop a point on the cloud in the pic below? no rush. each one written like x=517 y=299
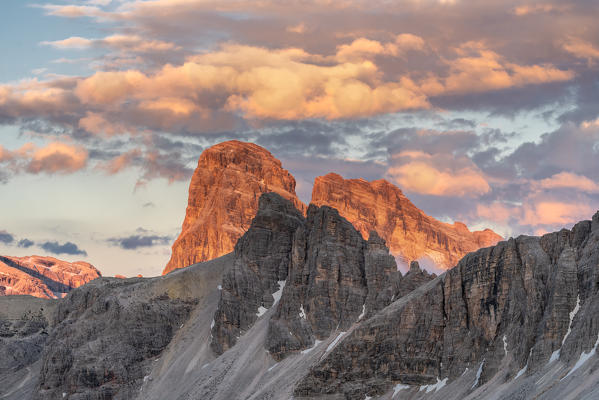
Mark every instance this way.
x=57 y=157
x=152 y=163
x=65 y=248
x=6 y=237
x=74 y=42
x=581 y=49
x=528 y=9
x=73 y=11
x=567 y=180
x=438 y=175
x=259 y=83
x=136 y=241
x=25 y=243
x=479 y=69
x=555 y=213
x=121 y=42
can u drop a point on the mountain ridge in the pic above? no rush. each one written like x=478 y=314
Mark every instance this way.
x=231 y=176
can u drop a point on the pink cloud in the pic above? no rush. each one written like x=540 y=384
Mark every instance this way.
x=554 y=213
x=438 y=175
x=567 y=180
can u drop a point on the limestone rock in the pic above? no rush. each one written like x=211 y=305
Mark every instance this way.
x=44 y=277
x=223 y=199
x=409 y=232
x=518 y=306
x=262 y=257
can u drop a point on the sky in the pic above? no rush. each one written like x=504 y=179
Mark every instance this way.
x=485 y=112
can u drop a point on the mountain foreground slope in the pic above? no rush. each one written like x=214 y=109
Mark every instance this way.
x=321 y=313
x=231 y=176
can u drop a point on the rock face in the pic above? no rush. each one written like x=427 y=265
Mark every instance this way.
x=44 y=277
x=516 y=307
x=24 y=325
x=409 y=232
x=325 y=274
x=223 y=199
x=262 y=258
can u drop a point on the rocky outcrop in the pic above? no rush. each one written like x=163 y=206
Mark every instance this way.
x=409 y=232
x=518 y=306
x=325 y=274
x=44 y=277
x=260 y=269
x=108 y=334
x=223 y=199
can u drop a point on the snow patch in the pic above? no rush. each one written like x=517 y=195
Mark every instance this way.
x=334 y=342
x=219 y=287
x=572 y=315
x=584 y=357
x=363 y=312
x=504 y=345
x=277 y=295
x=398 y=388
x=205 y=365
x=302 y=313
x=554 y=355
x=271 y=368
x=521 y=372
x=478 y=374
x=212 y=324
x=316 y=343
x=261 y=311
x=434 y=387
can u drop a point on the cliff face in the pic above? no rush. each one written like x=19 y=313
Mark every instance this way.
x=523 y=307
x=44 y=277
x=409 y=232
x=318 y=272
x=223 y=200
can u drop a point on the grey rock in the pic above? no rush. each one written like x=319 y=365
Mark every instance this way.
x=262 y=258
x=506 y=307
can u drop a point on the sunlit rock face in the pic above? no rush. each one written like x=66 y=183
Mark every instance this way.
x=409 y=233
x=44 y=277
x=223 y=199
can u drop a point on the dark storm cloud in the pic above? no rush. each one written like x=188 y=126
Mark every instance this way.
x=25 y=243
x=64 y=248
x=136 y=241
x=6 y=237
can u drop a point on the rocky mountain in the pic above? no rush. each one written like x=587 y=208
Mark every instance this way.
x=409 y=232
x=231 y=176
x=44 y=277
x=305 y=308
x=223 y=199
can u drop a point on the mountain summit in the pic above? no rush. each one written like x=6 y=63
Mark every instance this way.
x=231 y=176
x=410 y=234
x=223 y=199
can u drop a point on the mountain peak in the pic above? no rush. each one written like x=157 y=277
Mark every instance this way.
x=45 y=277
x=223 y=199
x=410 y=233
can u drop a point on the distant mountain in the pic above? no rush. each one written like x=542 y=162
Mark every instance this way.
x=223 y=199
x=410 y=233
x=231 y=176
x=44 y=277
